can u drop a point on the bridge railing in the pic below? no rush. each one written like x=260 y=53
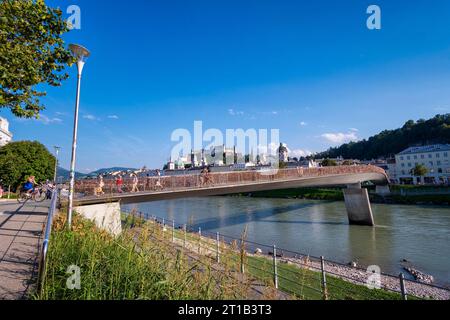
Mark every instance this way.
x=299 y=274
x=195 y=181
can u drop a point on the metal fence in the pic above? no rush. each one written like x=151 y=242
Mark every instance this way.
x=46 y=241
x=299 y=275
x=195 y=181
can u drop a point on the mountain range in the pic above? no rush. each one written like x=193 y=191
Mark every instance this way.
x=65 y=174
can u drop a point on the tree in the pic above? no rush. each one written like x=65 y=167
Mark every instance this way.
x=390 y=142
x=419 y=170
x=32 y=52
x=19 y=160
x=329 y=163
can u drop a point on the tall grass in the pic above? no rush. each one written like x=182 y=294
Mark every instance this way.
x=135 y=265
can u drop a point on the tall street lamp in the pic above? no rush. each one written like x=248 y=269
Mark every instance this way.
x=56 y=163
x=81 y=54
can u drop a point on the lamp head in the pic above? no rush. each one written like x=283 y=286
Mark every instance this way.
x=81 y=54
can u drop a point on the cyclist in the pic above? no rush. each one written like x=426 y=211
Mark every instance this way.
x=28 y=187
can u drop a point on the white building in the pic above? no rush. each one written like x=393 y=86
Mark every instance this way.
x=436 y=158
x=5 y=135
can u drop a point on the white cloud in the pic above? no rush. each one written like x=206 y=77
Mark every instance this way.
x=339 y=138
x=46 y=120
x=90 y=117
x=303 y=124
x=298 y=153
x=354 y=129
x=233 y=112
x=114 y=117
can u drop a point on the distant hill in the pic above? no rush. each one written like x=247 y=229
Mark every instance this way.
x=66 y=174
x=104 y=170
x=391 y=142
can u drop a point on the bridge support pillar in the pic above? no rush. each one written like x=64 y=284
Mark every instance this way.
x=106 y=216
x=358 y=205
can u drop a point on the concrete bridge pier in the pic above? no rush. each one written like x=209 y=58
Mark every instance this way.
x=358 y=205
x=106 y=216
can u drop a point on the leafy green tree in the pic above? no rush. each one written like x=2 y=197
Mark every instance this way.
x=32 y=52
x=329 y=163
x=19 y=160
x=391 y=142
x=419 y=170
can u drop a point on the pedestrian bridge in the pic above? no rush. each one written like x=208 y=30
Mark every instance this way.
x=215 y=184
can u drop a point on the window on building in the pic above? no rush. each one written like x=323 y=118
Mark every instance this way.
x=440 y=170
x=431 y=163
x=445 y=154
x=408 y=157
x=438 y=162
x=438 y=155
x=409 y=164
x=415 y=157
x=430 y=156
x=403 y=165
x=401 y=158
x=422 y=156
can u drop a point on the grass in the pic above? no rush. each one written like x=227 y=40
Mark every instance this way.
x=132 y=266
x=145 y=262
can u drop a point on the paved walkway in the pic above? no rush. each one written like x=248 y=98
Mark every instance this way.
x=21 y=231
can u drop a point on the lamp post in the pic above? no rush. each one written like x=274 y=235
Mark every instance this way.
x=81 y=54
x=56 y=163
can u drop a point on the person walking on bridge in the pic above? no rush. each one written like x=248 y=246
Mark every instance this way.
x=135 y=183
x=101 y=184
x=119 y=184
x=158 y=185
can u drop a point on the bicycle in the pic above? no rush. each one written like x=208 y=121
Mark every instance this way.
x=39 y=194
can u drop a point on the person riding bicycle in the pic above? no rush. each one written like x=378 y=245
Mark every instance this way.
x=28 y=187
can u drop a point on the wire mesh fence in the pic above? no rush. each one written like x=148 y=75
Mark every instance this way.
x=300 y=275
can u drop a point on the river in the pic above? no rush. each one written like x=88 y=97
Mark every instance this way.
x=419 y=234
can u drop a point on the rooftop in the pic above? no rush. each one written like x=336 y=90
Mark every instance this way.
x=425 y=149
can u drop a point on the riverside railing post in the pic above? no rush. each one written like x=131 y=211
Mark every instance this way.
x=173 y=231
x=275 y=269
x=242 y=257
x=185 y=235
x=324 y=278
x=199 y=238
x=403 y=287
x=218 y=247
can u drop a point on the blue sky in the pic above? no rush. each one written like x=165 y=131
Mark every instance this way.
x=311 y=69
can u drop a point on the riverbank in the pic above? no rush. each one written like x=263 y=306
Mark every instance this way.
x=336 y=194
x=299 y=275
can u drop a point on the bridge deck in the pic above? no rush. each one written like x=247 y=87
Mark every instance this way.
x=181 y=187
